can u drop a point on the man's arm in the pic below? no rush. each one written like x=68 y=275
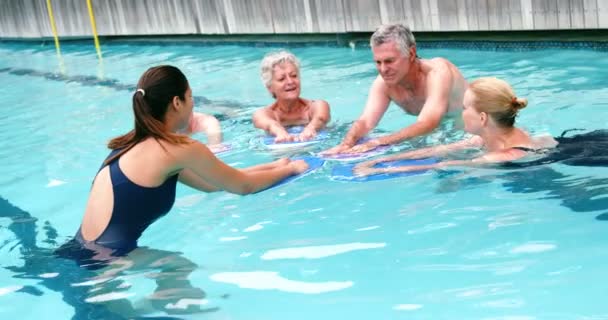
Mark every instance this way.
x=439 y=86
x=377 y=103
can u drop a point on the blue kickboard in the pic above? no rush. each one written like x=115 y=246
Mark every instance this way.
x=345 y=172
x=268 y=140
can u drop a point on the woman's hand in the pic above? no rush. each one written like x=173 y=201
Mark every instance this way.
x=369 y=163
x=298 y=166
x=284 y=137
x=341 y=148
x=364 y=171
x=281 y=162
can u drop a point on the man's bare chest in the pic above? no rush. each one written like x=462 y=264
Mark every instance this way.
x=411 y=102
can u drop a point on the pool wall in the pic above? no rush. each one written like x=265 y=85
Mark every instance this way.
x=29 y=19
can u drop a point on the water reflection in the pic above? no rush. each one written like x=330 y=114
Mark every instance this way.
x=101 y=294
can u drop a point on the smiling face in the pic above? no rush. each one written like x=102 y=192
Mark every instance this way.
x=391 y=63
x=285 y=83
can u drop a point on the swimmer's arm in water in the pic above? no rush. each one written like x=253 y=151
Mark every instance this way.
x=215 y=173
x=375 y=107
x=213 y=130
x=265 y=120
x=207 y=124
x=319 y=118
x=435 y=151
x=192 y=180
x=489 y=158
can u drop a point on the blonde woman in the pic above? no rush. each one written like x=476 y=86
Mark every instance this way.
x=281 y=75
x=490 y=107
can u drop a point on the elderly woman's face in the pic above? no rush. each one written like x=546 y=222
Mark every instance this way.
x=285 y=82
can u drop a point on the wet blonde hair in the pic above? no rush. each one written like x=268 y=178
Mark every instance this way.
x=274 y=58
x=496 y=98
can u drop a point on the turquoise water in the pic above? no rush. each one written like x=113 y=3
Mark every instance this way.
x=468 y=244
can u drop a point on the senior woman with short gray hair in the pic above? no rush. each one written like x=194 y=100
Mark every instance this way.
x=280 y=72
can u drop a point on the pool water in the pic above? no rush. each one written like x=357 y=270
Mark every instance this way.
x=461 y=244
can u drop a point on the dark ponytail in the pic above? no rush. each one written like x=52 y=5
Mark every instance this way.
x=155 y=90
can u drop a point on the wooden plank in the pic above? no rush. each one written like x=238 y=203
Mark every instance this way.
x=250 y=17
x=417 y=18
x=447 y=16
x=422 y=13
x=229 y=17
x=308 y=17
x=527 y=15
x=463 y=20
x=552 y=17
x=577 y=14
x=545 y=14
x=348 y=19
x=434 y=8
x=289 y=16
x=362 y=15
x=208 y=16
x=563 y=14
x=153 y=17
x=27 y=18
x=482 y=15
x=330 y=15
x=602 y=13
x=14 y=16
x=392 y=11
x=498 y=15
x=314 y=17
x=69 y=18
x=472 y=20
x=409 y=16
x=515 y=14
x=590 y=14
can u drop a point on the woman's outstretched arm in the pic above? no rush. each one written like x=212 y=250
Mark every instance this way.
x=434 y=151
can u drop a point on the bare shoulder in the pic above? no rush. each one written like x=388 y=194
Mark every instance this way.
x=267 y=110
x=475 y=141
x=379 y=86
x=440 y=67
x=203 y=116
x=177 y=151
x=544 y=142
x=318 y=103
x=185 y=153
x=442 y=62
x=505 y=155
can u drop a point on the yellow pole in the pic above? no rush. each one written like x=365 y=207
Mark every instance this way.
x=94 y=27
x=53 y=27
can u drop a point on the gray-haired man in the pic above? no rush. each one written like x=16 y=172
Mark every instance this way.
x=427 y=88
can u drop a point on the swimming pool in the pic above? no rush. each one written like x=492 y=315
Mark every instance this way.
x=468 y=244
